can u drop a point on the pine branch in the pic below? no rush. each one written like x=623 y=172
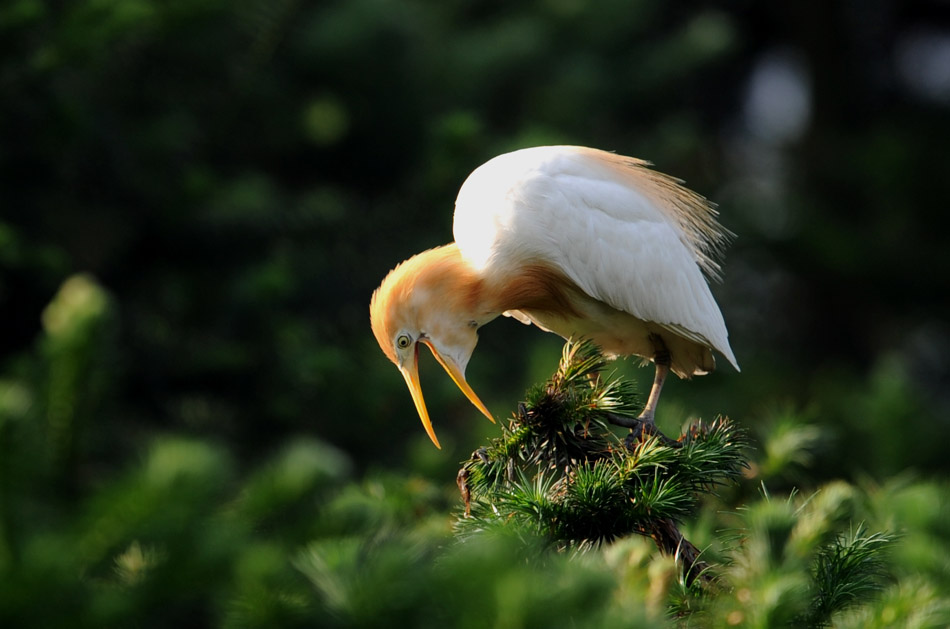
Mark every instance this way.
x=559 y=470
x=848 y=571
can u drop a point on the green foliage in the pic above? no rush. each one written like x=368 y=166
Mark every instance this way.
x=76 y=348
x=560 y=470
x=849 y=570
x=180 y=533
x=791 y=564
x=789 y=443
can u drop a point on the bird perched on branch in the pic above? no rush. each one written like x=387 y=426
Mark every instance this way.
x=579 y=242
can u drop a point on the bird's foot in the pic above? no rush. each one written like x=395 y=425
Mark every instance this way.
x=645 y=429
x=640 y=428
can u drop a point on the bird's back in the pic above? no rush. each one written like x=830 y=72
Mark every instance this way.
x=626 y=236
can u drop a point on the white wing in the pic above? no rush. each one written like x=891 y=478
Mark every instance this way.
x=626 y=235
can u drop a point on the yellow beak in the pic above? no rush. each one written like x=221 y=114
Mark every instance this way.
x=411 y=374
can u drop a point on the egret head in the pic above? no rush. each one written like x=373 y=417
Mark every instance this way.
x=429 y=300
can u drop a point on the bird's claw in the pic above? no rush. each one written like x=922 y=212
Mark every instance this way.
x=641 y=429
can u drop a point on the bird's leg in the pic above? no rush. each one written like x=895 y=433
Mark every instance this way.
x=645 y=424
x=649 y=410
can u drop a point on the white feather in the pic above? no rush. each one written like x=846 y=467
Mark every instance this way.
x=570 y=207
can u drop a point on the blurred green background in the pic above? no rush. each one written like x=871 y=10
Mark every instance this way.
x=198 y=197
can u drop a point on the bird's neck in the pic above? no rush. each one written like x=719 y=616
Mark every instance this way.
x=483 y=295
x=441 y=277
x=528 y=287
x=532 y=287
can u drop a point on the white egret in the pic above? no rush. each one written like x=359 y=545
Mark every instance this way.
x=579 y=242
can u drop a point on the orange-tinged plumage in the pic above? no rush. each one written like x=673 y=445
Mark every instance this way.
x=410 y=287
x=579 y=242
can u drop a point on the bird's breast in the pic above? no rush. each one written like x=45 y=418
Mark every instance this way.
x=616 y=332
x=619 y=333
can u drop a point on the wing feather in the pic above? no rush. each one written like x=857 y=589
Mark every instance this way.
x=626 y=235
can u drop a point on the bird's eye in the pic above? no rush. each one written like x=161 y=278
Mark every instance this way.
x=402 y=341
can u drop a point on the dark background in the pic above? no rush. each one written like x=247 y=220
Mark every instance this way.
x=237 y=177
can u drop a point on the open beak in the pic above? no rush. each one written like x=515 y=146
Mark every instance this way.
x=411 y=374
